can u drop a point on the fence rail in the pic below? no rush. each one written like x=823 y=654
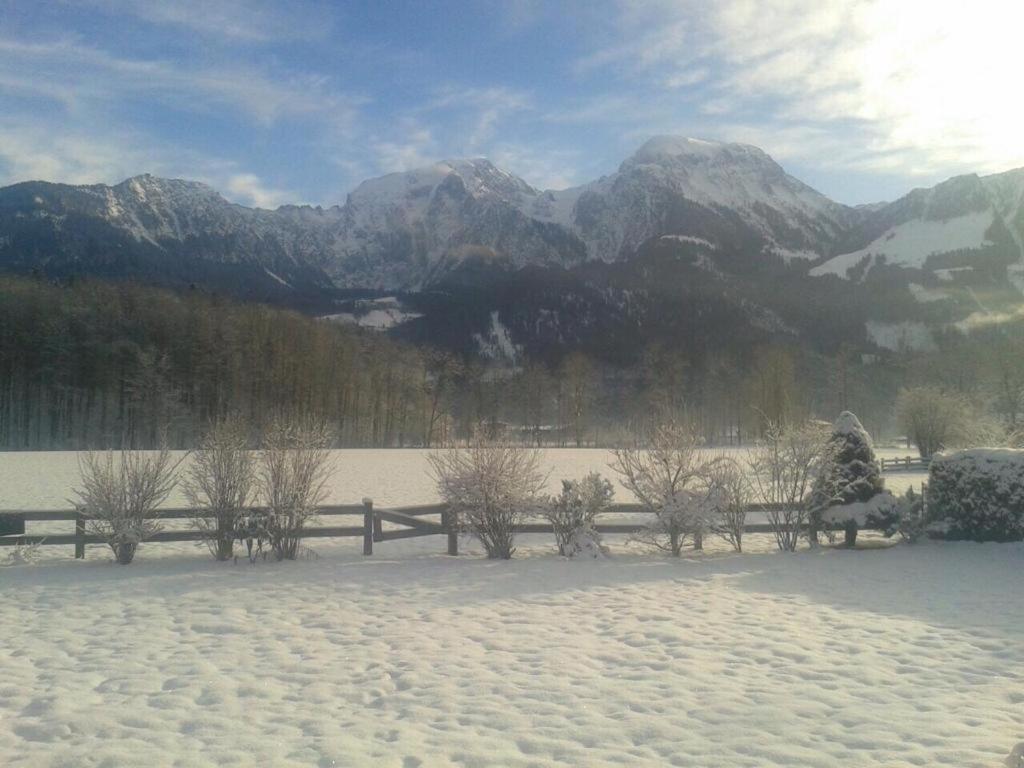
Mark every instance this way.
x=905 y=464
x=406 y=522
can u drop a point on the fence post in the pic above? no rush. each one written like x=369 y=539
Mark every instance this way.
x=450 y=522
x=79 y=534
x=368 y=526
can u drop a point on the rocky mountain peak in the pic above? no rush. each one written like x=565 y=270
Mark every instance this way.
x=672 y=150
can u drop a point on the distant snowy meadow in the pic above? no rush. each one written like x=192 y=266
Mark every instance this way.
x=391 y=477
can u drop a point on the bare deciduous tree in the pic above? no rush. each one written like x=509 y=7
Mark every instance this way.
x=292 y=475
x=785 y=466
x=219 y=484
x=674 y=481
x=491 y=487
x=120 y=490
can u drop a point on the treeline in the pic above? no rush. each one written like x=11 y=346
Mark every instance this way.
x=99 y=364
x=95 y=364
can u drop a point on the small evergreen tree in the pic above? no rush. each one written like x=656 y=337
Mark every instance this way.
x=851 y=484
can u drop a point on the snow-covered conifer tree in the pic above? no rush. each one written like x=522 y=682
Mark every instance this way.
x=851 y=491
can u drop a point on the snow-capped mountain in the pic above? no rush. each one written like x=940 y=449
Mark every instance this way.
x=707 y=239
x=733 y=196
x=948 y=231
x=405 y=230
x=167 y=231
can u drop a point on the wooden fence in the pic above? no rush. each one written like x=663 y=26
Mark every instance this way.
x=905 y=464
x=404 y=523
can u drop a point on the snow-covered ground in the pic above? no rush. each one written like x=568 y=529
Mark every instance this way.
x=904 y=656
x=907 y=655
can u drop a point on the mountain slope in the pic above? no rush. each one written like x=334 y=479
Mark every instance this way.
x=958 y=223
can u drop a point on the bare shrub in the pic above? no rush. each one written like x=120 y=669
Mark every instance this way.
x=932 y=419
x=120 y=491
x=491 y=487
x=786 y=464
x=673 y=480
x=292 y=474
x=574 y=510
x=219 y=485
x=730 y=501
x=23 y=554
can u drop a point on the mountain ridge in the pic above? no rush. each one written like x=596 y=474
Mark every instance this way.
x=680 y=220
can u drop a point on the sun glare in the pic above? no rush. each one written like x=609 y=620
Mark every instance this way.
x=945 y=75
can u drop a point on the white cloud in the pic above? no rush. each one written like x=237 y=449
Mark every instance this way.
x=920 y=86
x=32 y=150
x=542 y=168
x=481 y=111
x=243 y=20
x=413 y=147
x=249 y=189
x=78 y=76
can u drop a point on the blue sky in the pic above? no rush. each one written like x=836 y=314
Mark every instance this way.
x=299 y=101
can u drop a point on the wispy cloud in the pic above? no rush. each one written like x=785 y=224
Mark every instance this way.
x=243 y=20
x=250 y=189
x=412 y=146
x=921 y=84
x=542 y=167
x=76 y=74
x=32 y=151
x=480 y=110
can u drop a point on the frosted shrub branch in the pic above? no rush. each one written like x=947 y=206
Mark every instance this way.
x=491 y=487
x=572 y=513
x=785 y=466
x=292 y=477
x=219 y=485
x=674 y=482
x=119 y=492
x=732 y=496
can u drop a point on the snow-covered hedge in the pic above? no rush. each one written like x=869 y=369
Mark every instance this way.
x=978 y=494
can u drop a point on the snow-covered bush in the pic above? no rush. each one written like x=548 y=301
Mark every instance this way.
x=573 y=511
x=120 y=491
x=908 y=518
x=674 y=481
x=785 y=466
x=585 y=543
x=219 y=485
x=931 y=418
x=730 y=502
x=490 y=487
x=292 y=474
x=850 y=492
x=978 y=494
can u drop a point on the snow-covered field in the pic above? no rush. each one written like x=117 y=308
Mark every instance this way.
x=44 y=480
x=878 y=657
x=907 y=656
